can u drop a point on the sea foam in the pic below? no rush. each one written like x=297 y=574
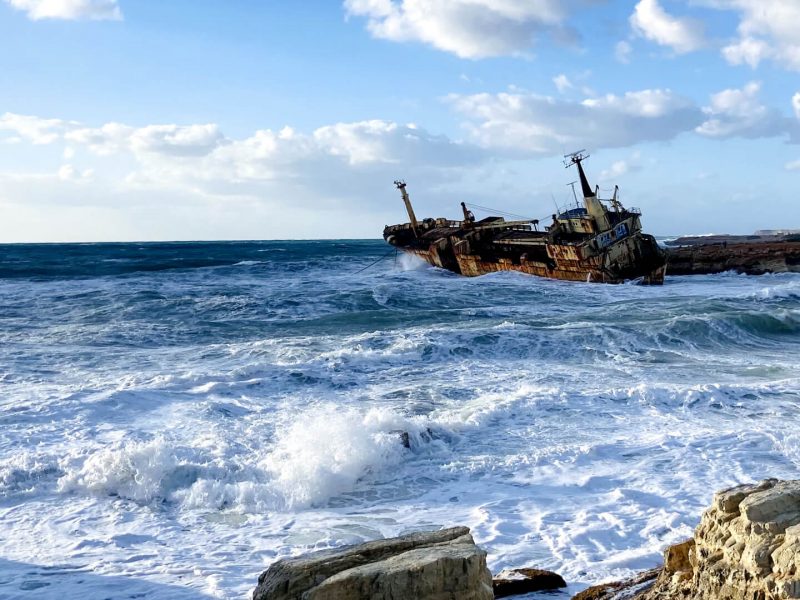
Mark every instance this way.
x=135 y=470
x=172 y=424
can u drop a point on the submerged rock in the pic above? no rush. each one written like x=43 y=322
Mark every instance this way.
x=513 y=582
x=431 y=565
x=747 y=547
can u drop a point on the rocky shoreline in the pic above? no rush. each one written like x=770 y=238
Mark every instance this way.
x=746 y=547
x=747 y=254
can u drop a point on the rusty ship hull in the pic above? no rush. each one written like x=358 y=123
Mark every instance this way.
x=593 y=243
x=640 y=258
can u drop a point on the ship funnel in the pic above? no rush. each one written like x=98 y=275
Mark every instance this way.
x=401 y=185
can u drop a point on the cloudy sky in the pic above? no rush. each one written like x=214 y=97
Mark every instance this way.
x=250 y=119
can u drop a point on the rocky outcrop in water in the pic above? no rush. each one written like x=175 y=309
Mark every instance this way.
x=747 y=547
x=436 y=565
x=620 y=590
x=513 y=582
x=753 y=255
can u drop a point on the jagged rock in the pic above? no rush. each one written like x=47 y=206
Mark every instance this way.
x=746 y=547
x=522 y=581
x=676 y=558
x=745 y=543
x=433 y=565
x=620 y=590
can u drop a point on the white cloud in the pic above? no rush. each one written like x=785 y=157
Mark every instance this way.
x=205 y=184
x=347 y=156
x=32 y=129
x=467 y=28
x=645 y=103
x=796 y=104
x=748 y=51
x=69 y=9
x=533 y=124
x=768 y=29
x=622 y=52
x=562 y=83
x=386 y=142
x=105 y=140
x=68 y=172
x=191 y=140
x=621 y=167
x=176 y=140
x=651 y=21
x=739 y=112
x=617 y=169
x=793 y=166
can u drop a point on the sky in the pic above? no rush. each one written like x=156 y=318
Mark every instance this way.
x=266 y=119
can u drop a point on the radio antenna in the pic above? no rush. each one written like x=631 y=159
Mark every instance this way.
x=574 y=193
x=575 y=158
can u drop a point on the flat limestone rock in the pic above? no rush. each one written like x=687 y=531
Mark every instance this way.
x=432 y=565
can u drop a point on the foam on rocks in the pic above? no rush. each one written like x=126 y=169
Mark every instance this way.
x=433 y=565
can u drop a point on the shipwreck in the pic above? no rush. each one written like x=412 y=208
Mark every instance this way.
x=600 y=241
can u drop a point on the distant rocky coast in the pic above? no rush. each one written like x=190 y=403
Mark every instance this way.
x=746 y=547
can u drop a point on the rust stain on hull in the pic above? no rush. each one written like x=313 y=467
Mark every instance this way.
x=591 y=270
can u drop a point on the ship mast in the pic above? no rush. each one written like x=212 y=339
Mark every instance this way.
x=401 y=185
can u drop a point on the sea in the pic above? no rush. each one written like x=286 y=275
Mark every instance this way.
x=175 y=417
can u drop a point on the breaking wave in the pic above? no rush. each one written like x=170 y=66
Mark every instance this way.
x=317 y=455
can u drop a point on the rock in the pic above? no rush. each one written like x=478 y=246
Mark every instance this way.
x=620 y=590
x=676 y=558
x=522 y=581
x=746 y=547
x=743 y=548
x=432 y=565
x=754 y=255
